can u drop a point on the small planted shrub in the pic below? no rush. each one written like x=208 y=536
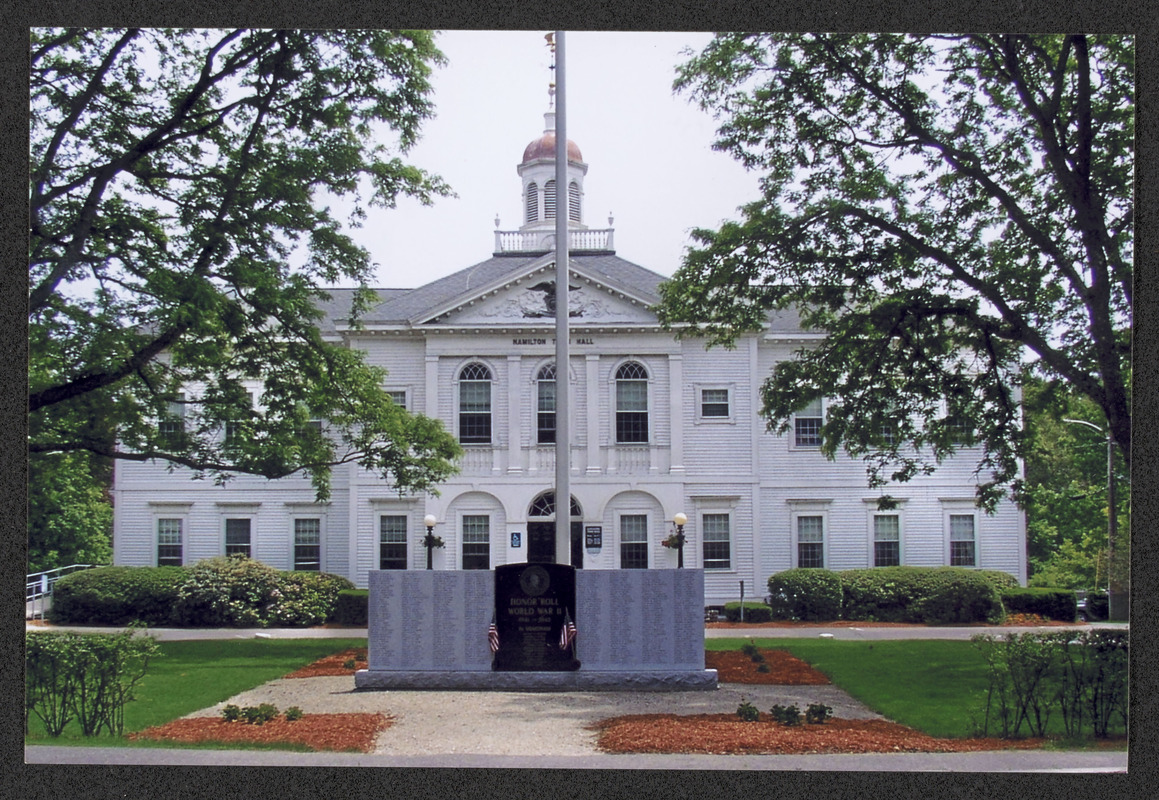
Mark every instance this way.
x=753 y=612
x=763 y=668
x=293 y=714
x=349 y=663
x=817 y=713
x=231 y=713
x=757 y=658
x=749 y=649
x=786 y=715
x=747 y=711
x=807 y=594
x=259 y=715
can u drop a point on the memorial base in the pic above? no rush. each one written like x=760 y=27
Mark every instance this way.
x=582 y=680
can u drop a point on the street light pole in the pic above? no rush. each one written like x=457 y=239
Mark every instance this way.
x=1112 y=522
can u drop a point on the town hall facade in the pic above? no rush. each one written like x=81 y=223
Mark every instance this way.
x=660 y=427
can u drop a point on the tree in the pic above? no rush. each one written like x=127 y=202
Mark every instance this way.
x=180 y=234
x=940 y=207
x=70 y=516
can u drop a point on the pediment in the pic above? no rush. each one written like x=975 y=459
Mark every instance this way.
x=531 y=300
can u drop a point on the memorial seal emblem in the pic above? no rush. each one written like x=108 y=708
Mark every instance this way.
x=534 y=581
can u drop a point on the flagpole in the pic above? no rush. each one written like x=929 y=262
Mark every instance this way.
x=562 y=308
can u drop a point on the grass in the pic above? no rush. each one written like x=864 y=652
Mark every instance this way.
x=938 y=687
x=192 y=675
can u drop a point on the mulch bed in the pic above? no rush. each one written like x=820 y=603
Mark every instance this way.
x=336 y=732
x=334 y=665
x=733 y=666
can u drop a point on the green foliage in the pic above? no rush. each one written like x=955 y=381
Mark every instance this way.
x=306 y=598
x=1081 y=676
x=227 y=591
x=260 y=714
x=70 y=515
x=817 y=713
x=920 y=207
x=952 y=596
x=747 y=711
x=117 y=596
x=1097 y=604
x=231 y=713
x=805 y=594
x=786 y=715
x=753 y=612
x=749 y=649
x=196 y=195
x=1059 y=604
x=351 y=607
x=88 y=678
x=293 y=714
x=881 y=594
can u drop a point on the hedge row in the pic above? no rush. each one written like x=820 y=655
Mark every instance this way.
x=218 y=592
x=930 y=595
x=1059 y=604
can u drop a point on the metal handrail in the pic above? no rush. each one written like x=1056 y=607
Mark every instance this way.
x=38 y=588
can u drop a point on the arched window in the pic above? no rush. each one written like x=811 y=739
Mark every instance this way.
x=573 y=199
x=532 y=202
x=544 y=506
x=631 y=403
x=475 y=404
x=545 y=405
x=549 y=200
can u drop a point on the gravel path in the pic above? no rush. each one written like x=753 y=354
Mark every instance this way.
x=517 y=723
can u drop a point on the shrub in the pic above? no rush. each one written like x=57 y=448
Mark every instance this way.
x=231 y=713
x=805 y=594
x=227 y=591
x=817 y=713
x=954 y=595
x=117 y=596
x=1057 y=604
x=1001 y=580
x=351 y=607
x=747 y=711
x=293 y=713
x=259 y=715
x=881 y=594
x=1097 y=605
x=305 y=598
x=86 y=677
x=786 y=715
x=753 y=612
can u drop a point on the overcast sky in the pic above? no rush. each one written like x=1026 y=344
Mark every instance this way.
x=648 y=151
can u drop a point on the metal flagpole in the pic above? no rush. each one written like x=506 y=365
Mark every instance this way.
x=562 y=422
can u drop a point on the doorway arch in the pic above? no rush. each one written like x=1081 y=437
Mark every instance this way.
x=541 y=530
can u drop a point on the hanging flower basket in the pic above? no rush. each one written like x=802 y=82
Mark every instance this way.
x=674 y=541
x=430 y=540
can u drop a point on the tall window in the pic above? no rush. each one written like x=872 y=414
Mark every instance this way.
x=631 y=403
x=810 y=541
x=634 y=541
x=237 y=537
x=476 y=541
x=169 y=548
x=717 y=542
x=807 y=425
x=392 y=542
x=549 y=200
x=172 y=425
x=234 y=430
x=573 y=200
x=962 y=541
x=886 y=540
x=308 y=543
x=532 y=203
x=545 y=406
x=475 y=405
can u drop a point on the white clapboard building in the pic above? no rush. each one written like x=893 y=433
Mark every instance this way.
x=660 y=427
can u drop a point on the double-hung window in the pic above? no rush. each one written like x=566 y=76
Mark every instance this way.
x=169 y=542
x=962 y=541
x=392 y=542
x=237 y=537
x=475 y=405
x=632 y=404
x=714 y=404
x=545 y=405
x=886 y=540
x=807 y=425
x=634 y=541
x=717 y=541
x=172 y=425
x=810 y=541
x=308 y=543
x=476 y=541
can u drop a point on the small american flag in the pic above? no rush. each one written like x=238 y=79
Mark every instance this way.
x=493 y=635
x=567 y=633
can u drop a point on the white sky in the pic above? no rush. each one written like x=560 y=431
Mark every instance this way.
x=648 y=151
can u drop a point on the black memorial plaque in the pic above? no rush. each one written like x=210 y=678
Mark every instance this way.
x=532 y=603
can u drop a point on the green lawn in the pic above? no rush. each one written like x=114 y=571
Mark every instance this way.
x=196 y=674
x=935 y=686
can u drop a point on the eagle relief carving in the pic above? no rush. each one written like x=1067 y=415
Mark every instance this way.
x=539 y=302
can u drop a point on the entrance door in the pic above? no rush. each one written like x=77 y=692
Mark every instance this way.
x=541 y=543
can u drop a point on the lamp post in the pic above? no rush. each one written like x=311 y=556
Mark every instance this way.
x=1112 y=582
x=679 y=519
x=430 y=541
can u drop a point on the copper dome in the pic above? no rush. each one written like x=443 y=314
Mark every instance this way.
x=544 y=147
